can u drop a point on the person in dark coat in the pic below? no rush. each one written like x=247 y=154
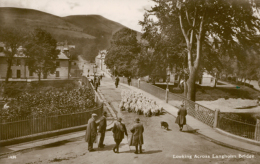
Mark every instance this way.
x=91 y=132
x=102 y=129
x=117 y=81
x=96 y=85
x=95 y=79
x=129 y=80
x=137 y=136
x=181 y=118
x=98 y=80
x=118 y=130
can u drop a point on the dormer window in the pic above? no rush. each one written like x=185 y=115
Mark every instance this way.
x=57 y=63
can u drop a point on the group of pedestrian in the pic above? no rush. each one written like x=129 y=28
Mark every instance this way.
x=97 y=81
x=129 y=80
x=119 y=131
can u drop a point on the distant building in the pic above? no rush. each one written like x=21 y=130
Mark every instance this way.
x=19 y=69
x=100 y=59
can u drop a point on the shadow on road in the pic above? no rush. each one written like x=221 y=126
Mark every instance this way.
x=144 y=152
x=110 y=147
x=190 y=131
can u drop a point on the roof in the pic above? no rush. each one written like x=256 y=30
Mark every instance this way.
x=62 y=56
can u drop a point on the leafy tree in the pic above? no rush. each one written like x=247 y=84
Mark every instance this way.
x=123 y=51
x=42 y=53
x=201 y=22
x=12 y=39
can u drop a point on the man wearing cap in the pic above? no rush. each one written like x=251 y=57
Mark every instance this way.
x=91 y=132
x=119 y=130
x=137 y=136
x=102 y=129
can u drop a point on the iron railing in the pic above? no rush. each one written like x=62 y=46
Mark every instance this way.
x=236 y=127
x=32 y=125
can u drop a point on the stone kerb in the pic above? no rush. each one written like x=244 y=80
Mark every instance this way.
x=257 y=130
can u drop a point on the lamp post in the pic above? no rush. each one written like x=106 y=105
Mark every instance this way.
x=68 y=66
x=167 y=81
x=168 y=75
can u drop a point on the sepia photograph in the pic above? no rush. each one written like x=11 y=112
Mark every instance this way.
x=129 y=81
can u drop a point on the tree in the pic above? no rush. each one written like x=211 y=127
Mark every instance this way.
x=201 y=22
x=42 y=53
x=12 y=39
x=123 y=51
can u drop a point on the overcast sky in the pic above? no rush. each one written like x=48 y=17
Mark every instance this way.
x=126 y=12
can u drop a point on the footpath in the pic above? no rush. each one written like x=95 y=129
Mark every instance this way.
x=193 y=125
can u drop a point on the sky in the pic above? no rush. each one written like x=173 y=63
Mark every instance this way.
x=126 y=12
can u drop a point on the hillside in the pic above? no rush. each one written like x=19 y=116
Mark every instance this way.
x=29 y=19
x=89 y=33
x=98 y=22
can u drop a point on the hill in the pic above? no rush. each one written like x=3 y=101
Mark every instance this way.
x=90 y=33
x=29 y=19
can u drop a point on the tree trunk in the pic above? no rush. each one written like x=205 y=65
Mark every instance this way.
x=215 y=82
x=9 y=62
x=191 y=86
x=185 y=86
x=39 y=76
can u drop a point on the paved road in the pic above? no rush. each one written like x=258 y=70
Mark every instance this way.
x=159 y=145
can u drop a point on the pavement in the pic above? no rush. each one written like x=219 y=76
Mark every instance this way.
x=112 y=99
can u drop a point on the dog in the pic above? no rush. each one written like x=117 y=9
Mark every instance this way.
x=164 y=125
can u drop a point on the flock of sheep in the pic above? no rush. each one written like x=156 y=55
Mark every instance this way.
x=132 y=101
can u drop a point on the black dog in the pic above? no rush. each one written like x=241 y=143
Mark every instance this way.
x=164 y=125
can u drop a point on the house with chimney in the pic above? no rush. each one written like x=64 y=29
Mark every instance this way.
x=19 y=69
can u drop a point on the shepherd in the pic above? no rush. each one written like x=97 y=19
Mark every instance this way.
x=137 y=136
x=181 y=118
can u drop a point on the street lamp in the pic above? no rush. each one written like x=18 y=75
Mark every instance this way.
x=168 y=72
x=167 y=80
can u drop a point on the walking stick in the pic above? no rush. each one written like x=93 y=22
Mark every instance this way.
x=128 y=143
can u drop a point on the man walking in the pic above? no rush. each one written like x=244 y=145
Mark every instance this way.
x=137 y=136
x=91 y=132
x=181 y=118
x=96 y=85
x=129 y=80
x=119 y=130
x=102 y=129
x=117 y=81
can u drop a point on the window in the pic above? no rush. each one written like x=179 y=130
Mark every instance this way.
x=176 y=77
x=57 y=63
x=57 y=74
x=18 y=73
x=30 y=73
x=1 y=49
x=18 y=62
